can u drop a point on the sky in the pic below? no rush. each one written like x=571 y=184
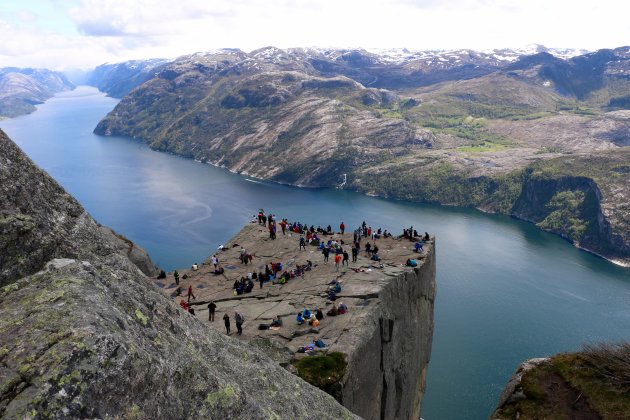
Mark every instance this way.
x=68 y=34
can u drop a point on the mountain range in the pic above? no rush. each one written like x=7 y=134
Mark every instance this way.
x=22 y=89
x=480 y=129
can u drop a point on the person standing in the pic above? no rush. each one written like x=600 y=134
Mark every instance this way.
x=226 y=320
x=337 y=261
x=211 y=308
x=190 y=293
x=176 y=275
x=355 y=253
x=326 y=252
x=302 y=243
x=342 y=228
x=215 y=261
x=345 y=258
x=239 y=319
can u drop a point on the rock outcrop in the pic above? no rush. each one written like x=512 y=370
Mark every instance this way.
x=590 y=384
x=385 y=337
x=85 y=334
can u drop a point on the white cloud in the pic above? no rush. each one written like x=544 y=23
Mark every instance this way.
x=115 y=30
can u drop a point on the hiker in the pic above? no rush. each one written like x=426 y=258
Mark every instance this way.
x=215 y=262
x=211 y=308
x=342 y=228
x=194 y=267
x=345 y=258
x=337 y=261
x=368 y=249
x=277 y=322
x=299 y=318
x=226 y=320
x=239 y=319
x=333 y=311
x=355 y=253
x=176 y=275
x=418 y=247
x=319 y=314
x=302 y=243
x=326 y=252
x=342 y=308
x=426 y=236
x=313 y=322
x=190 y=293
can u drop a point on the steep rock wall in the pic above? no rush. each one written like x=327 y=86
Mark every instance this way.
x=396 y=346
x=571 y=206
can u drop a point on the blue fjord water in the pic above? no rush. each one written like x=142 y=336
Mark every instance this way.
x=506 y=291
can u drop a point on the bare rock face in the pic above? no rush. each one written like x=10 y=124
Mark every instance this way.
x=84 y=333
x=39 y=221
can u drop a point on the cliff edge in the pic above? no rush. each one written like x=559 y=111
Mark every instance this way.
x=85 y=334
x=380 y=347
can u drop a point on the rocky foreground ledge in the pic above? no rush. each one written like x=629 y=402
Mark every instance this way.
x=385 y=338
x=85 y=334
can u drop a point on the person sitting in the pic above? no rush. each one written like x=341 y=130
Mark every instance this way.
x=319 y=343
x=195 y=267
x=306 y=313
x=342 y=308
x=319 y=314
x=418 y=247
x=333 y=311
x=277 y=322
x=426 y=236
x=299 y=319
x=248 y=287
x=375 y=257
x=332 y=295
x=218 y=270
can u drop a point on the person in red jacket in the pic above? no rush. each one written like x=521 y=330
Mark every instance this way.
x=190 y=293
x=342 y=227
x=337 y=261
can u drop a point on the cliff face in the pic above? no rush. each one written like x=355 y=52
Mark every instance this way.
x=396 y=345
x=39 y=221
x=385 y=337
x=85 y=334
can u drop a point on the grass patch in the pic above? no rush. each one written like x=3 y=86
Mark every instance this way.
x=324 y=372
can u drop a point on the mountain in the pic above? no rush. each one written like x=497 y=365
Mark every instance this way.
x=452 y=127
x=85 y=333
x=121 y=78
x=22 y=89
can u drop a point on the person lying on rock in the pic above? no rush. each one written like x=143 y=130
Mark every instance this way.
x=319 y=342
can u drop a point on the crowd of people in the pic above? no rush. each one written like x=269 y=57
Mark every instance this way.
x=328 y=242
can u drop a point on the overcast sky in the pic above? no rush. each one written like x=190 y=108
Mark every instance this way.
x=62 y=34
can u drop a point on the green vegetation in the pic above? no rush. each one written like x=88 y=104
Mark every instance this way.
x=324 y=372
x=565 y=209
x=594 y=382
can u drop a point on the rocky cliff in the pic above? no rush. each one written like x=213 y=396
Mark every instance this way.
x=22 y=89
x=384 y=339
x=590 y=384
x=85 y=334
